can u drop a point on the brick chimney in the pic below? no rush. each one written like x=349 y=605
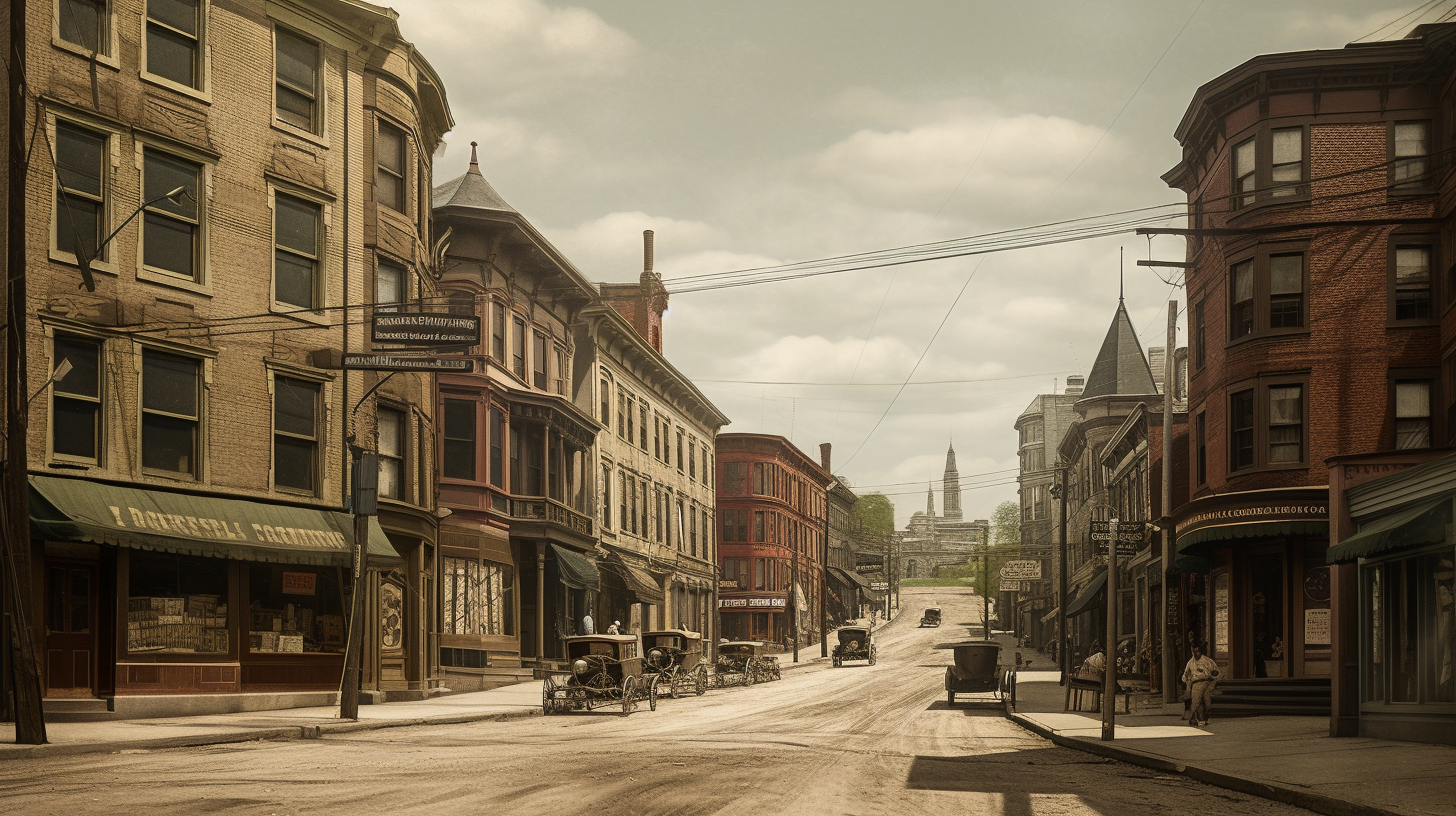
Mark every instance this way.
x=824 y=449
x=641 y=303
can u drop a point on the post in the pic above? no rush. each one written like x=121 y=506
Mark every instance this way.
x=1165 y=637
x=824 y=582
x=365 y=494
x=1062 y=658
x=541 y=603
x=986 y=589
x=794 y=604
x=1109 y=650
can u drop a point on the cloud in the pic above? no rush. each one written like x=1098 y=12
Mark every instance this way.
x=610 y=247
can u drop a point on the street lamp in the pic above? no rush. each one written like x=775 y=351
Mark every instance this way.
x=1059 y=492
x=85 y=259
x=59 y=374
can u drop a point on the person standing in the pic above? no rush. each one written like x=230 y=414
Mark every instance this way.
x=1200 y=675
x=588 y=627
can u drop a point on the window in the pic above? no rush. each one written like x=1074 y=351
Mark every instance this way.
x=389 y=166
x=538 y=360
x=658 y=502
x=693 y=533
x=295 y=434
x=642 y=426
x=295 y=251
x=76 y=400
x=174 y=41
x=1412 y=283
x=759 y=527
x=624 y=519
x=423 y=463
x=605 y=395
x=80 y=190
x=1199 y=355
x=561 y=373
x=1200 y=441
x=1266 y=425
x=1286 y=169
x=1412 y=414
x=621 y=413
x=1266 y=294
x=86 y=23
x=1241 y=430
x=1286 y=291
x=392 y=444
x=1286 y=424
x=629 y=503
x=681 y=525
x=1241 y=307
x=680 y=451
x=1410 y=149
x=497 y=454
x=656 y=437
x=518 y=346
x=607 y=496
x=171 y=227
x=296 y=85
x=389 y=287
x=171 y=413
x=498 y=330
x=692 y=460
x=459 y=453
x=631 y=419
x=1245 y=182
x=478 y=597
x=644 y=508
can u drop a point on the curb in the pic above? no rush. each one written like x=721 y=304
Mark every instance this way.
x=276 y=734
x=1273 y=791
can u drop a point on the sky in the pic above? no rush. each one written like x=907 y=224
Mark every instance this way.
x=761 y=132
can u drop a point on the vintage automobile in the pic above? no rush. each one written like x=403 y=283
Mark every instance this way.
x=673 y=661
x=931 y=616
x=744 y=662
x=855 y=643
x=605 y=670
x=977 y=670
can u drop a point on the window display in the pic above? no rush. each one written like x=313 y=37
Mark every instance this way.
x=478 y=597
x=176 y=604
x=294 y=609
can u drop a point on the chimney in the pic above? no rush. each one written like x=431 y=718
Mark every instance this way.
x=643 y=302
x=1075 y=384
x=824 y=448
x=647 y=251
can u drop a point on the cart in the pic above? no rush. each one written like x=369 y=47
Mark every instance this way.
x=605 y=671
x=674 y=661
x=743 y=662
x=977 y=670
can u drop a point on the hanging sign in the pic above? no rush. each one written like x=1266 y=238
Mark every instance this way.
x=1025 y=570
x=425 y=329
x=394 y=362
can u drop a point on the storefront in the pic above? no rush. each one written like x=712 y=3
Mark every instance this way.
x=1405 y=552
x=478 y=604
x=754 y=617
x=151 y=593
x=631 y=593
x=1263 y=611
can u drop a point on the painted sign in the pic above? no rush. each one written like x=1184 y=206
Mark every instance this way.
x=299 y=583
x=1316 y=627
x=1127 y=532
x=1025 y=570
x=730 y=585
x=1253 y=513
x=395 y=362
x=751 y=603
x=425 y=329
x=880 y=586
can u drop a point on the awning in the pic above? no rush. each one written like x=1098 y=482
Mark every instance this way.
x=83 y=510
x=852 y=579
x=1094 y=593
x=576 y=570
x=1056 y=610
x=1202 y=542
x=638 y=580
x=1418 y=525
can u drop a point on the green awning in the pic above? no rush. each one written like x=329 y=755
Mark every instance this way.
x=1203 y=541
x=638 y=580
x=577 y=571
x=1093 y=594
x=1418 y=525
x=83 y=510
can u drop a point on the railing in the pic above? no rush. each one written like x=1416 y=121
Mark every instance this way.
x=552 y=512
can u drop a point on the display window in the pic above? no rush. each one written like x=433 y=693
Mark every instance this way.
x=1410 y=629
x=478 y=597
x=294 y=609
x=176 y=604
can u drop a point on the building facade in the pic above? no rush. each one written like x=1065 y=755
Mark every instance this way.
x=1039 y=431
x=847 y=592
x=203 y=243
x=773 y=505
x=930 y=541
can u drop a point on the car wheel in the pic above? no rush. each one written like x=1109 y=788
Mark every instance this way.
x=700 y=681
x=950 y=699
x=674 y=687
x=652 y=697
x=629 y=695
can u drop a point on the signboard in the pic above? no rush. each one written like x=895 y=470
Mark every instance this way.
x=395 y=362
x=730 y=585
x=299 y=583
x=1303 y=505
x=425 y=329
x=751 y=603
x=1130 y=536
x=1316 y=627
x=1026 y=570
x=880 y=586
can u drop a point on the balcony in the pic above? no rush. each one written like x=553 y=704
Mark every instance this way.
x=552 y=513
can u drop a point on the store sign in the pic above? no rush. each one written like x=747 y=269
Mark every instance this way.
x=880 y=586
x=1316 y=627
x=728 y=585
x=425 y=329
x=395 y=362
x=299 y=583
x=1024 y=570
x=1232 y=513
x=751 y=603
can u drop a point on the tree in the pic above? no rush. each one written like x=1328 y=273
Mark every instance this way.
x=1004 y=544
x=872 y=521
x=1006 y=525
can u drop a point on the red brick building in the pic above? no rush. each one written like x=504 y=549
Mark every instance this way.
x=772 y=501
x=1319 y=242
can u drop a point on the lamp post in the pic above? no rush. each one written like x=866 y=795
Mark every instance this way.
x=87 y=280
x=1059 y=492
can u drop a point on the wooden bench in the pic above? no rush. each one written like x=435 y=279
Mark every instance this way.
x=1079 y=684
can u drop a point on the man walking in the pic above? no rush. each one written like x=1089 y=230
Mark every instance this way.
x=1200 y=674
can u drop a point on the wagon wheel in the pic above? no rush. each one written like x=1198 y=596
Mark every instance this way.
x=1011 y=690
x=629 y=694
x=700 y=681
x=949 y=698
x=548 y=686
x=673 y=686
x=872 y=655
x=749 y=673
x=651 y=696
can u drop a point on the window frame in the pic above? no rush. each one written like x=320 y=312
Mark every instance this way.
x=401 y=174
x=381 y=306
x=1260 y=433
x=447 y=443
x=200 y=281
x=199 y=420
x=60 y=193
x=98 y=401
x=518 y=346
x=1265 y=191
x=201 y=61
x=319 y=434
x=540 y=378
x=1261 y=259
x=1425 y=182
x=316 y=95
x=400 y=457
x=106 y=38
x=1395 y=244
x=319 y=259
x=1435 y=398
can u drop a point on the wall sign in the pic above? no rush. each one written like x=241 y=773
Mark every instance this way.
x=299 y=583
x=1316 y=627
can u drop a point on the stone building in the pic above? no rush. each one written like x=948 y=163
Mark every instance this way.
x=202 y=246
x=930 y=542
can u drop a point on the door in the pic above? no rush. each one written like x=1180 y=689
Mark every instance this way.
x=71 y=642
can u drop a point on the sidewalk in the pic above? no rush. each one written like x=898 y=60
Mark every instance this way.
x=1286 y=759
x=507 y=702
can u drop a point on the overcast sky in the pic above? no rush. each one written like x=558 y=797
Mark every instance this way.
x=750 y=133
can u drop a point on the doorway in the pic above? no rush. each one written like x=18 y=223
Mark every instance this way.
x=71 y=641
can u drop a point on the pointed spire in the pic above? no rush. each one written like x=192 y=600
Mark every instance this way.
x=1119 y=275
x=471 y=191
x=474 y=162
x=1121 y=367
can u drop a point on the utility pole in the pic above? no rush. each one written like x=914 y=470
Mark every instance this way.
x=365 y=504
x=1109 y=648
x=1060 y=492
x=24 y=681
x=1165 y=637
x=794 y=604
x=823 y=579
x=986 y=588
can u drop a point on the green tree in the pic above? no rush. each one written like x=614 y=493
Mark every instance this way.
x=872 y=521
x=1004 y=545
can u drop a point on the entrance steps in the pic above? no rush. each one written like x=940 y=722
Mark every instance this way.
x=77 y=709
x=1272 y=695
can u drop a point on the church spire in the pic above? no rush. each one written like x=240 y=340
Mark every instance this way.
x=929 y=501
x=951 y=485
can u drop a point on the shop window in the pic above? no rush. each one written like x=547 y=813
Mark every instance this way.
x=171 y=413
x=392 y=446
x=1412 y=414
x=176 y=604
x=458 y=461
x=1411 y=283
x=296 y=251
x=389 y=287
x=1410 y=156
x=478 y=597
x=518 y=347
x=81 y=190
x=538 y=360
x=174 y=41
x=389 y=166
x=171 y=227
x=294 y=609
x=1410 y=625
x=85 y=24
x=76 y=400
x=296 y=80
x=295 y=434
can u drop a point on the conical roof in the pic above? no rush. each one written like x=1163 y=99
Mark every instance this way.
x=1121 y=367
x=950 y=465
x=471 y=191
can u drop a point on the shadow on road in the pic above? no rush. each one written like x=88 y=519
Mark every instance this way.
x=1016 y=776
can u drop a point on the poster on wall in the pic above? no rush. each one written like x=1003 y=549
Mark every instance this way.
x=391 y=624
x=1220 y=616
x=299 y=583
x=1316 y=627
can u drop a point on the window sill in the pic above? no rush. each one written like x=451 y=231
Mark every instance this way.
x=1413 y=323
x=203 y=96
x=109 y=60
x=1265 y=202
x=107 y=268
x=1252 y=469
x=301 y=314
x=1271 y=334
x=171 y=476
x=319 y=139
x=173 y=281
x=293 y=491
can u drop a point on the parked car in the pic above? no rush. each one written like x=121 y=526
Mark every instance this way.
x=977 y=670
x=673 y=661
x=744 y=662
x=605 y=670
x=855 y=643
x=931 y=616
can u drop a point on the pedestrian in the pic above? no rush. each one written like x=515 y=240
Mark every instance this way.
x=1096 y=662
x=1200 y=675
x=588 y=627
x=615 y=628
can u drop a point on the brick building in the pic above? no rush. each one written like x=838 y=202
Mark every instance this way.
x=772 y=501
x=202 y=244
x=1319 y=307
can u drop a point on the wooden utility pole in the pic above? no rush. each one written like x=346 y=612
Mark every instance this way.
x=1165 y=637
x=15 y=537
x=1109 y=648
x=365 y=504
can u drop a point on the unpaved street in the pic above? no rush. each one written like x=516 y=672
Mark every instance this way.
x=858 y=739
